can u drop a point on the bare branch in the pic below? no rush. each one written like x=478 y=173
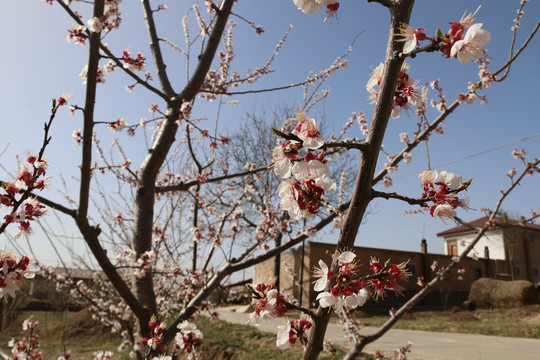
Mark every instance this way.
x=118 y=63
x=345 y=145
x=196 y=82
x=55 y=205
x=514 y=32
x=136 y=77
x=421 y=137
x=254 y=91
x=409 y=200
x=88 y=127
x=511 y=60
x=156 y=50
x=183 y=186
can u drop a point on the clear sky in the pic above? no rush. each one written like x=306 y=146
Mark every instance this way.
x=38 y=64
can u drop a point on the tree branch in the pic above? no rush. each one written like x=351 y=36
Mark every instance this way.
x=136 y=77
x=409 y=200
x=512 y=58
x=91 y=233
x=112 y=57
x=386 y=3
x=345 y=145
x=423 y=136
x=88 y=112
x=428 y=48
x=357 y=349
x=400 y=14
x=156 y=50
x=183 y=186
x=206 y=58
x=146 y=188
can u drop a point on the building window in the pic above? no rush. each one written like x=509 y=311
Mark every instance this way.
x=452 y=247
x=412 y=269
x=477 y=273
x=516 y=270
x=534 y=271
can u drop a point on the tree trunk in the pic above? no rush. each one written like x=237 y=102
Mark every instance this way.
x=400 y=14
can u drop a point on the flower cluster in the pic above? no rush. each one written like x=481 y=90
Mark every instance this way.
x=302 y=197
x=268 y=303
x=291 y=332
x=66 y=356
x=141 y=265
x=144 y=263
x=188 y=338
x=106 y=308
x=110 y=20
x=115 y=126
x=102 y=355
x=445 y=198
x=26 y=348
x=100 y=77
x=386 y=276
x=440 y=103
x=407 y=91
x=348 y=292
x=399 y=354
x=28 y=179
x=351 y=291
x=185 y=111
x=155 y=341
x=77 y=34
x=133 y=63
x=461 y=271
x=311 y=7
x=29 y=324
x=465 y=40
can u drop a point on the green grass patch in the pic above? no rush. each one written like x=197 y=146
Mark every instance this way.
x=52 y=330
x=221 y=341
x=224 y=340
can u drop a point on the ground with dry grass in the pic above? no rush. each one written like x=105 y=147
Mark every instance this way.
x=516 y=322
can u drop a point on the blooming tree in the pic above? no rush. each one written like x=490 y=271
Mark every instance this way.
x=184 y=215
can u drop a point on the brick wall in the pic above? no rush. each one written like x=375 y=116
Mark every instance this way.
x=524 y=246
x=451 y=292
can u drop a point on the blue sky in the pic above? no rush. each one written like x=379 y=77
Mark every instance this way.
x=38 y=64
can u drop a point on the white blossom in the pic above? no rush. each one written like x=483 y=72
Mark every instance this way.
x=472 y=45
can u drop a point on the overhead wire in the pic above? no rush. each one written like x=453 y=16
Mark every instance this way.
x=476 y=154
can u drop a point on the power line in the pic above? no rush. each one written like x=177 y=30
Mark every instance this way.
x=477 y=154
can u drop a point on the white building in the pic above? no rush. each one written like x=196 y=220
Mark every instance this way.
x=515 y=247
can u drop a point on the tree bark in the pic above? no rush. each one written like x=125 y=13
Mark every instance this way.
x=400 y=13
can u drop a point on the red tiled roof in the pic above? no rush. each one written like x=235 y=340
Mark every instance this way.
x=462 y=229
